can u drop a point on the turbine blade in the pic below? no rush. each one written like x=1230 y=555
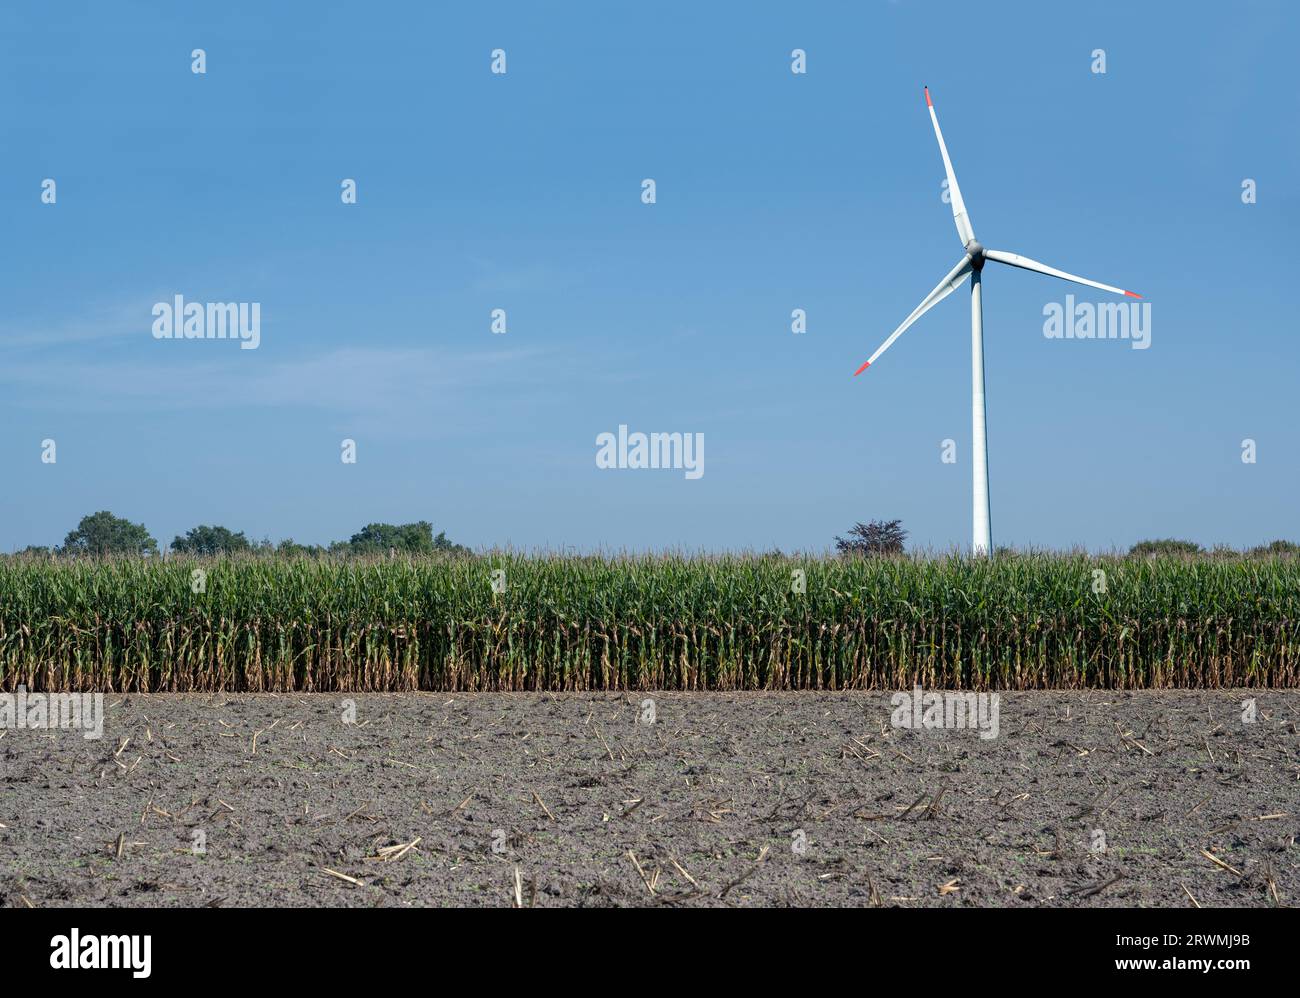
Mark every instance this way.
x=1023 y=262
x=959 y=215
x=946 y=287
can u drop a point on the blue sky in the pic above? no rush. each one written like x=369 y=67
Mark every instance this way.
x=775 y=191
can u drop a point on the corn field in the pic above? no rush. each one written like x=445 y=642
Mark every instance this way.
x=654 y=622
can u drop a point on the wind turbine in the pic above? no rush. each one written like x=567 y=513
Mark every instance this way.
x=972 y=264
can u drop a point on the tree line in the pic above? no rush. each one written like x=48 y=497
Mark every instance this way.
x=886 y=538
x=103 y=533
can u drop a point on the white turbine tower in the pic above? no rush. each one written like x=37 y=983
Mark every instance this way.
x=972 y=264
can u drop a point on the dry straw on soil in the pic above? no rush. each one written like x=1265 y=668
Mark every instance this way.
x=681 y=623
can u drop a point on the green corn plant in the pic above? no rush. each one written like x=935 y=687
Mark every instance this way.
x=675 y=622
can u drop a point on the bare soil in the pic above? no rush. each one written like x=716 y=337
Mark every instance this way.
x=1097 y=798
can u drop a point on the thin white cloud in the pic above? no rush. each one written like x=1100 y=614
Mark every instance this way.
x=530 y=278
x=102 y=323
x=380 y=385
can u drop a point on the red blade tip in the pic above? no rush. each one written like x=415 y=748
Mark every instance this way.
x=862 y=368
x=928 y=102
x=1132 y=294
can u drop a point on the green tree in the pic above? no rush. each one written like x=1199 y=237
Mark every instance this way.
x=210 y=540
x=408 y=538
x=290 y=548
x=879 y=537
x=1167 y=546
x=1281 y=549
x=104 y=533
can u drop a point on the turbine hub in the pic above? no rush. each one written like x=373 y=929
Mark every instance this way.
x=976 y=252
